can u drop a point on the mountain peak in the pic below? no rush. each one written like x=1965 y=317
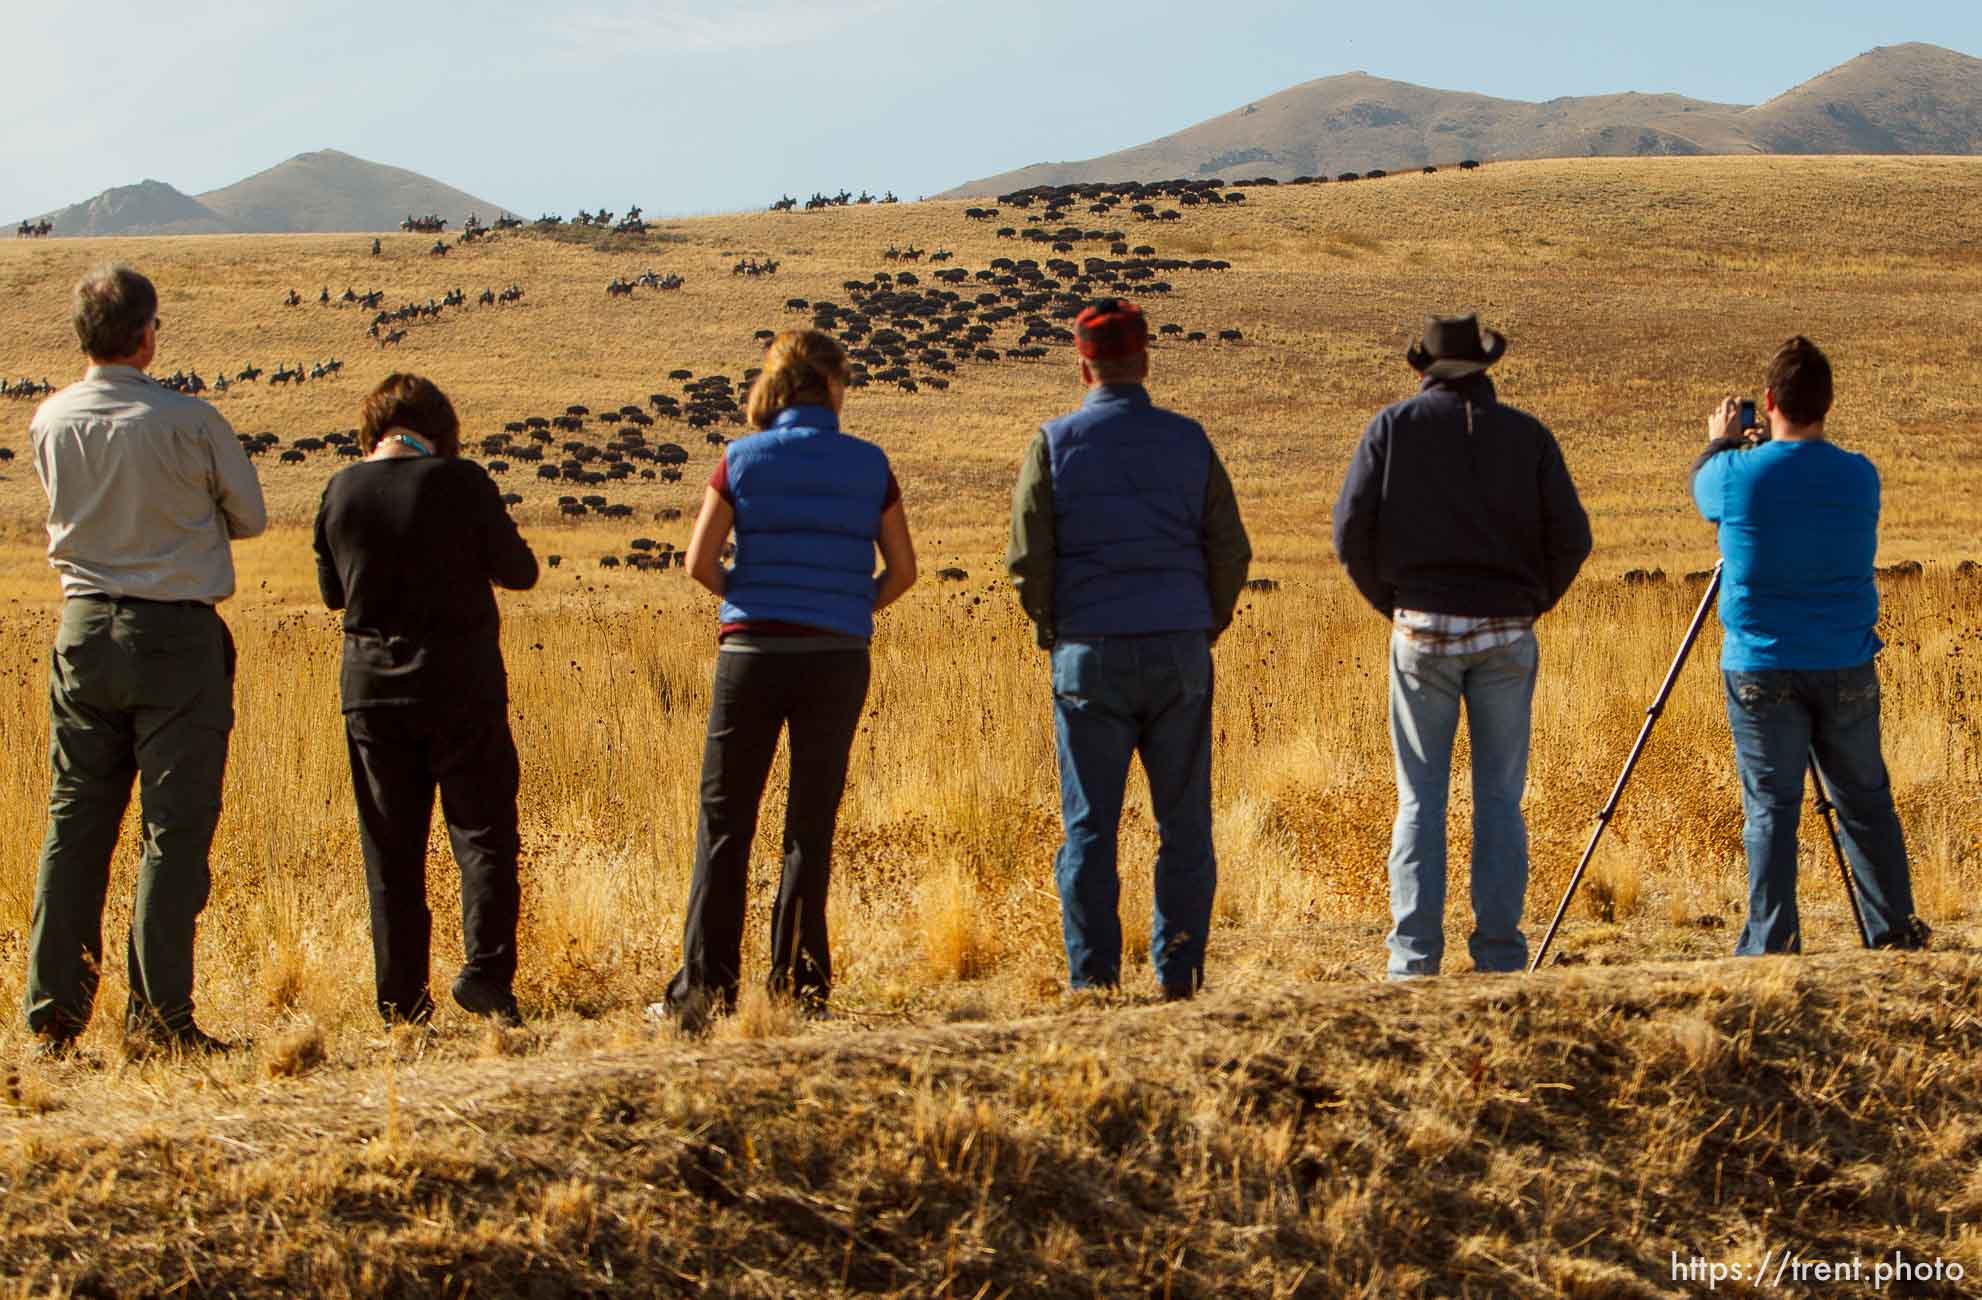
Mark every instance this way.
x=328 y=189
x=1908 y=98
x=323 y=190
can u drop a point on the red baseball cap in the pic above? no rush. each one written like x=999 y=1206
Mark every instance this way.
x=1110 y=329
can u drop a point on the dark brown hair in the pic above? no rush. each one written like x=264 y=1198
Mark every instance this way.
x=414 y=404
x=797 y=364
x=113 y=305
x=1800 y=378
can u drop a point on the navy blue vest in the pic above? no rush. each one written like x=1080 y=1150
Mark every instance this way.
x=1128 y=515
x=808 y=510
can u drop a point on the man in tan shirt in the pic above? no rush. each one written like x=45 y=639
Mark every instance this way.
x=146 y=489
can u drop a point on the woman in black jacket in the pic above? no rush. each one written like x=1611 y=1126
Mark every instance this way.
x=408 y=542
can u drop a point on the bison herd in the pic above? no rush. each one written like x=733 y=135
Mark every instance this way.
x=1103 y=197
x=552 y=446
x=343 y=443
x=899 y=331
x=1899 y=570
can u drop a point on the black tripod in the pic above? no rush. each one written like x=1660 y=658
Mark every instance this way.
x=1824 y=806
x=1828 y=812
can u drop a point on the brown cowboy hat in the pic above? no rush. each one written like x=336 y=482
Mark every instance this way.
x=1454 y=347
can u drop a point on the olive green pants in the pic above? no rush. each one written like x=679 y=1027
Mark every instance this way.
x=135 y=689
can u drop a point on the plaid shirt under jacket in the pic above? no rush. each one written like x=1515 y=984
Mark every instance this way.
x=1459 y=634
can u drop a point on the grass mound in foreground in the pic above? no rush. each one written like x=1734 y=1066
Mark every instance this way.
x=1563 y=1135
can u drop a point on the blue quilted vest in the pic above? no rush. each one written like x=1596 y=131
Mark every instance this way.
x=808 y=509
x=1128 y=512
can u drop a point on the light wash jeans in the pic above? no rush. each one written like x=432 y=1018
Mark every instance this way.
x=1497 y=686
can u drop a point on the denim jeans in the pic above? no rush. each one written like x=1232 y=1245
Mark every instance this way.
x=1497 y=687
x=1115 y=697
x=1779 y=718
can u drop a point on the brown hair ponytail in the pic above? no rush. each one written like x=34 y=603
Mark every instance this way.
x=797 y=365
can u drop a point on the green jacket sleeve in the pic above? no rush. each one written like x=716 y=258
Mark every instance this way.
x=1228 y=553
x=1029 y=558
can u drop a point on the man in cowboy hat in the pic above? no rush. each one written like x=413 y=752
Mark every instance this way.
x=1459 y=523
x=1799 y=526
x=1128 y=554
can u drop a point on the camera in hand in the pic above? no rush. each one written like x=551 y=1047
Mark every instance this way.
x=1746 y=420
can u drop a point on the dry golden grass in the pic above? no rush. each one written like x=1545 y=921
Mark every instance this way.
x=1566 y=1135
x=1486 y=1138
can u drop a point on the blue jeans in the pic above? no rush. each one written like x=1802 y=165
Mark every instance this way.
x=1115 y=697
x=1497 y=686
x=1779 y=718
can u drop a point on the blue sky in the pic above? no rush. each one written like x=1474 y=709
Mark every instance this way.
x=709 y=105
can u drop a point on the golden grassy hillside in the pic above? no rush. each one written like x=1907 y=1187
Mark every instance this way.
x=885 y=1151
x=1635 y=294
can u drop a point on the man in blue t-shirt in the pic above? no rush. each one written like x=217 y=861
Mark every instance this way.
x=1799 y=523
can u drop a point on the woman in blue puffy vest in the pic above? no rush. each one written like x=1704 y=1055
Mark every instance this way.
x=808 y=505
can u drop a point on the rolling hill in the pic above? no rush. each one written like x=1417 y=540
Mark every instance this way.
x=1909 y=99
x=149 y=207
x=328 y=190
x=313 y=192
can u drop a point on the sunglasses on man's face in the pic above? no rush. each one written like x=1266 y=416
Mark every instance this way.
x=157 y=322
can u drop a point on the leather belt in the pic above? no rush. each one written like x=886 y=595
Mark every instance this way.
x=105 y=599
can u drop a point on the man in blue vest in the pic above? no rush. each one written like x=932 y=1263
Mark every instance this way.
x=1799 y=525
x=1128 y=555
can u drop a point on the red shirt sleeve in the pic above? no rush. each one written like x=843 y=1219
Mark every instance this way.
x=720 y=481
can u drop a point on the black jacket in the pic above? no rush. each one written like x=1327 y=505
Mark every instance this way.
x=1456 y=504
x=407 y=549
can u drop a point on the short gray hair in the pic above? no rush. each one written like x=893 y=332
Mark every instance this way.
x=1132 y=369
x=113 y=305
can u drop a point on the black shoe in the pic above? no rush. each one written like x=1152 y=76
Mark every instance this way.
x=689 y=1013
x=1178 y=993
x=187 y=1040
x=483 y=999
x=52 y=1047
x=1915 y=935
x=417 y=1012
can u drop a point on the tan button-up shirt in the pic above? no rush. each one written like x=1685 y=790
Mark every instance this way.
x=146 y=488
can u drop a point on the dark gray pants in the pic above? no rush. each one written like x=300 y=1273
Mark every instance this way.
x=135 y=689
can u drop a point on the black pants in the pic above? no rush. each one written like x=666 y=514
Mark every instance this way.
x=820 y=696
x=398 y=757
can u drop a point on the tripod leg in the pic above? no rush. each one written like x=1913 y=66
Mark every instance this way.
x=1644 y=733
x=1828 y=812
